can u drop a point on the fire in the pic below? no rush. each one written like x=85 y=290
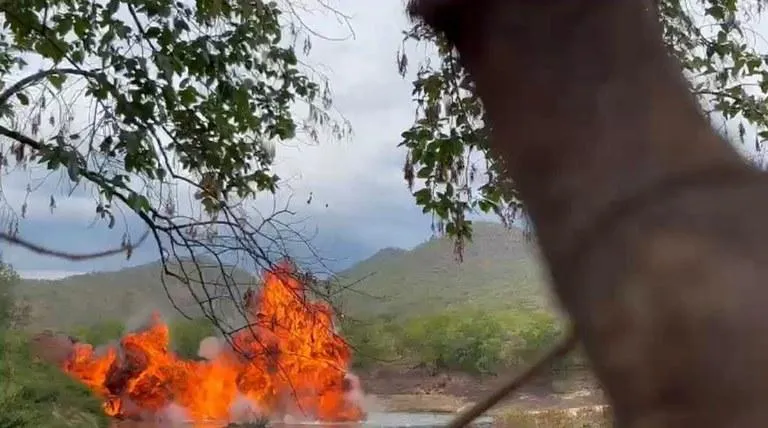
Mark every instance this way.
x=288 y=362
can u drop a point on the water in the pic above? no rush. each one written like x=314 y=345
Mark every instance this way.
x=394 y=420
x=375 y=419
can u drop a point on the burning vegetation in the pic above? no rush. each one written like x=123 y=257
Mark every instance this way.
x=289 y=362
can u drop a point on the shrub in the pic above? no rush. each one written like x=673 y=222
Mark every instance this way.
x=469 y=339
x=373 y=342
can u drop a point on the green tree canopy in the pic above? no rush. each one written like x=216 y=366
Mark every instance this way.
x=448 y=166
x=152 y=104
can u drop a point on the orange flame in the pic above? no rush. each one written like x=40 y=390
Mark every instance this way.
x=288 y=362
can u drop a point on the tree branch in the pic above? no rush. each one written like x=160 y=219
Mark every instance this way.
x=38 y=249
x=21 y=138
x=40 y=75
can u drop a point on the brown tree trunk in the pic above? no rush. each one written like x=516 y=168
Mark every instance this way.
x=653 y=228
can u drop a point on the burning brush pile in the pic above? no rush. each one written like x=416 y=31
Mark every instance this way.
x=289 y=363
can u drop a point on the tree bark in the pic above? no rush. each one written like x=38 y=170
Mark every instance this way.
x=652 y=226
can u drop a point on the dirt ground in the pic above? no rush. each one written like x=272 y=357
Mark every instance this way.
x=411 y=389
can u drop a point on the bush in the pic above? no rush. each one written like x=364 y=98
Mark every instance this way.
x=466 y=341
x=373 y=342
x=8 y=281
x=469 y=340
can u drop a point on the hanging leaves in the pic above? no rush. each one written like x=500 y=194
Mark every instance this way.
x=448 y=167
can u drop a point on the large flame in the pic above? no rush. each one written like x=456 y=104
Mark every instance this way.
x=289 y=362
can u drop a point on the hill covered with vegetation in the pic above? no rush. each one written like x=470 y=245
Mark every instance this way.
x=499 y=271
x=129 y=295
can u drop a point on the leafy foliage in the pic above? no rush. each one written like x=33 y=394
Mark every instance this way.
x=464 y=339
x=448 y=166
x=143 y=101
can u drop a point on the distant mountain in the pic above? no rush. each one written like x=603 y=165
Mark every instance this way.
x=500 y=270
x=128 y=295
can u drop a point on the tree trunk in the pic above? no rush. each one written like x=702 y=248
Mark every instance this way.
x=652 y=226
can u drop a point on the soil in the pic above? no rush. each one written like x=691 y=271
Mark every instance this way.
x=407 y=389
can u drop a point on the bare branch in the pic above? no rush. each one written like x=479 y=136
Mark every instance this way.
x=127 y=248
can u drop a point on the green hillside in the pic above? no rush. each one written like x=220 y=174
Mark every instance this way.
x=129 y=295
x=499 y=271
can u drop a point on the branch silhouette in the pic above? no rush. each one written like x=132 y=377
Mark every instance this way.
x=126 y=248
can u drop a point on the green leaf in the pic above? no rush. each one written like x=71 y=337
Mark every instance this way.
x=57 y=80
x=52 y=48
x=22 y=97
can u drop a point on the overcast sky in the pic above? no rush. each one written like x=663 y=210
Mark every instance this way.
x=368 y=204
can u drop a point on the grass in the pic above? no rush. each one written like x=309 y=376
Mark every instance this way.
x=34 y=394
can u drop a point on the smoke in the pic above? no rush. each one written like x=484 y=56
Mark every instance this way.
x=144 y=319
x=172 y=415
x=356 y=395
x=210 y=348
x=244 y=410
x=355 y=392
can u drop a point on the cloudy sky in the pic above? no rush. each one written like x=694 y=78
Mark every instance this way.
x=360 y=180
